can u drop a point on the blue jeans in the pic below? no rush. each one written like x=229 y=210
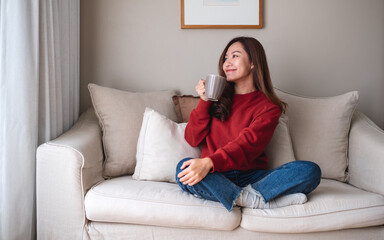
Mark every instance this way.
x=225 y=187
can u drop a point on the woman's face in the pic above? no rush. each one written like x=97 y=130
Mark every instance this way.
x=237 y=66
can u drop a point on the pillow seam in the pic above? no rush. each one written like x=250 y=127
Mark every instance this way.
x=145 y=136
x=91 y=89
x=346 y=173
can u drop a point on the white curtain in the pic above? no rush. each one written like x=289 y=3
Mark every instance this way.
x=39 y=98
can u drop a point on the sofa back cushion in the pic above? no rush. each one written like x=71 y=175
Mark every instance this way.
x=319 y=130
x=279 y=149
x=120 y=115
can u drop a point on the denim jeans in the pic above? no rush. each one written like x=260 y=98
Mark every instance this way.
x=225 y=187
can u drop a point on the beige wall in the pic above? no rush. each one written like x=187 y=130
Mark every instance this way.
x=314 y=47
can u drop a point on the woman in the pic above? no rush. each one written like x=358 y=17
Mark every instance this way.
x=234 y=133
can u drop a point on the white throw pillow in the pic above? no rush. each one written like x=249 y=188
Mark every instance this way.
x=160 y=147
x=120 y=115
x=319 y=129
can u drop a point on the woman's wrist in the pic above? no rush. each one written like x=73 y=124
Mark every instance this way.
x=208 y=163
x=204 y=98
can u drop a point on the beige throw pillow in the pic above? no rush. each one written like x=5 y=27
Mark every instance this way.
x=120 y=115
x=160 y=147
x=319 y=130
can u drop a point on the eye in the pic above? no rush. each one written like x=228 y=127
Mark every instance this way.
x=234 y=56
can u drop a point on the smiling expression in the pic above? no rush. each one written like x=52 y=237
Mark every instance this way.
x=237 y=66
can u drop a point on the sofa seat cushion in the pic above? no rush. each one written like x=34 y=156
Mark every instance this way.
x=332 y=206
x=124 y=200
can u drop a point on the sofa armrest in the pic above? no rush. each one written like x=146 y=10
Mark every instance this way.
x=366 y=154
x=66 y=168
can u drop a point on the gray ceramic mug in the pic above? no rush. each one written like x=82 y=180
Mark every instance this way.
x=214 y=86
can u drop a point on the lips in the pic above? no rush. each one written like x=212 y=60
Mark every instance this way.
x=230 y=70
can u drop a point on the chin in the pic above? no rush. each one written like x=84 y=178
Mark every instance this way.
x=231 y=80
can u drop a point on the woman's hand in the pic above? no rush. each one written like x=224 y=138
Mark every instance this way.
x=195 y=170
x=200 y=89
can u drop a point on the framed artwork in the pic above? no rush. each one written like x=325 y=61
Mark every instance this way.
x=221 y=14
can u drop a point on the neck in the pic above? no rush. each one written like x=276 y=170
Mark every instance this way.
x=244 y=88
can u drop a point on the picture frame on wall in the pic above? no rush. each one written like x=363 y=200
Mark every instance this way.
x=221 y=14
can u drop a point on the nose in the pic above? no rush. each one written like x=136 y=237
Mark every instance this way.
x=227 y=63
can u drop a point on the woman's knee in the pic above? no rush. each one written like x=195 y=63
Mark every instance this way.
x=312 y=174
x=178 y=168
x=312 y=169
x=307 y=169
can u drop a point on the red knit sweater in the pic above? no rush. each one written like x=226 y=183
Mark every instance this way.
x=239 y=142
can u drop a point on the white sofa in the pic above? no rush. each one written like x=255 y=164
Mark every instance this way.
x=75 y=201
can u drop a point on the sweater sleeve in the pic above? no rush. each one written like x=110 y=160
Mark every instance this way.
x=198 y=124
x=242 y=152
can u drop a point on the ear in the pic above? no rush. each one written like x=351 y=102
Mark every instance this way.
x=252 y=66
